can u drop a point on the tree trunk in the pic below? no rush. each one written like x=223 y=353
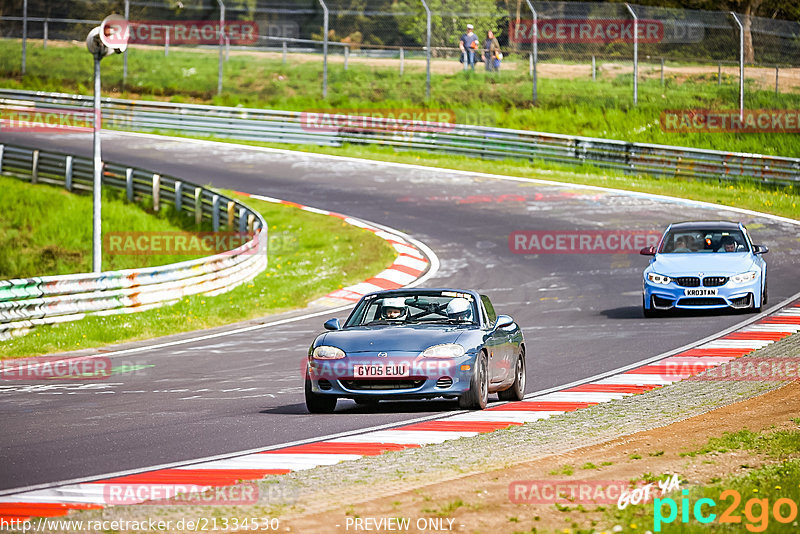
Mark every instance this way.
x=750 y=8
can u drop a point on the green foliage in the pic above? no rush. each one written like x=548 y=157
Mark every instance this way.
x=449 y=19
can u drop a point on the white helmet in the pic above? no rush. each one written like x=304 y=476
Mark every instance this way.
x=394 y=308
x=459 y=308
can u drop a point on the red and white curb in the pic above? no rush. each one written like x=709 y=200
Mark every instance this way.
x=205 y=475
x=409 y=265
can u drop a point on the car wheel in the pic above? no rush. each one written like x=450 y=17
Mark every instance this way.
x=764 y=295
x=316 y=403
x=517 y=390
x=649 y=313
x=478 y=394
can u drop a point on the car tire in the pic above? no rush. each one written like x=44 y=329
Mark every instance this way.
x=316 y=403
x=478 y=395
x=649 y=313
x=764 y=294
x=517 y=390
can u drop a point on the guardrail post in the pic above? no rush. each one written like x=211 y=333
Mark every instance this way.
x=242 y=220
x=635 y=54
x=35 y=167
x=156 y=191
x=251 y=219
x=129 y=184
x=178 y=195
x=231 y=214
x=198 y=205
x=68 y=173
x=215 y=213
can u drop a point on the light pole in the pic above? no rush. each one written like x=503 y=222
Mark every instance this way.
x=108 y=38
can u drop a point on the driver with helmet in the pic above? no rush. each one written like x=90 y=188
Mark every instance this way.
x=459 y=309
x=394 y=309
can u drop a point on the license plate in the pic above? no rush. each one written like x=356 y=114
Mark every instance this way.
x=700 y=292
x=379 y=370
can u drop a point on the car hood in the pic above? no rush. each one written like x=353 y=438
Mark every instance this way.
x=713 y=263
x=406 y=338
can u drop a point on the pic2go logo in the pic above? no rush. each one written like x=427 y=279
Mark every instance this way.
x=756 y=511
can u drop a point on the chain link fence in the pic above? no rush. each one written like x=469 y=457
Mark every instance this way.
x=410 y=49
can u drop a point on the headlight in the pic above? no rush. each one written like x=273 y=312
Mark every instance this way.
x=449 y=350
x=659 y=278
x=325 y=352
x=744 y=277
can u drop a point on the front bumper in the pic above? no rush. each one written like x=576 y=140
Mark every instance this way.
x=672 y=296
x=427 y=377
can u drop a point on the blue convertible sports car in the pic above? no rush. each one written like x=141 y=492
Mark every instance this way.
x=417 y=344
x=705 y=265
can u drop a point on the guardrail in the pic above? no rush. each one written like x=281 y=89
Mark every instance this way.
x=26 y=303
x=477 y=141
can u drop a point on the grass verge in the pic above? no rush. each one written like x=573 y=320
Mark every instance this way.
x=311 y=255
x=46 y=230
x=574 y=105
x=761 y=500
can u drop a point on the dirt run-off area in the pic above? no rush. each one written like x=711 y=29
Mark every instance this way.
x=481 y=502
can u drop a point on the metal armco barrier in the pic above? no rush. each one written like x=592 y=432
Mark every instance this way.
x=476 y=141
x=26 y=303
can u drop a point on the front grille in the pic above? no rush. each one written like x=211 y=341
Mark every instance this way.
x=408 y=383
x=742 y=302
x=702 y=301
x=444 y=382
x=714 y=281
x=688 y=281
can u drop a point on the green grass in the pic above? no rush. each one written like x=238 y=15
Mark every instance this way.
x=574 y=106
x=777 y=480
x=316 y=255
x=46 y=230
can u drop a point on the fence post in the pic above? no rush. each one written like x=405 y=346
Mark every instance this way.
x=534 y=52
x=68 y=173
x=428 y=50
x=719 y=74
x=129 y=184
x=776 y=80
x=156 y=192
x=741 y=66
x=227 y=47
x=166 y=42
x=221 y=40
x=346 y=56
x=215 y=213
x=402 y=60
x=24 y=33
x=44 y=38
x=594 y=69
x=125 y=53
x=324 y=49
x=662 y=72
x=198 y=205
x=178 y=195
x=35 y=167
x=284 y=52
x=635 y=55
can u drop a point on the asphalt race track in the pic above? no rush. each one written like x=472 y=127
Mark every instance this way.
x=581 y=313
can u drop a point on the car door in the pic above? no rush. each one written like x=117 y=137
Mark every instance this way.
x=498 y=344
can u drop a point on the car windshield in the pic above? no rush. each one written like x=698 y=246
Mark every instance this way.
x=433 y=307
x=696 y=241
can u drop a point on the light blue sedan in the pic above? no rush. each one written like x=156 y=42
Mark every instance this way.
x=703 y=265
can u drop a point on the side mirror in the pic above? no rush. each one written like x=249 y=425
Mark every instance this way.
x=648 y=251
x=760 y=249
x=332 y=324
x=504 y=321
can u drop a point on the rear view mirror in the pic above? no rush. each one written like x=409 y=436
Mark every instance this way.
x=760 y=249
x=332 y=324
x=504 y=321
x=648 y=251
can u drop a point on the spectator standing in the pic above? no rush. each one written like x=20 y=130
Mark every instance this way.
x=491 y=55
x=468 y=45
